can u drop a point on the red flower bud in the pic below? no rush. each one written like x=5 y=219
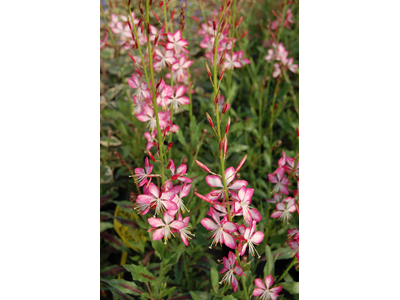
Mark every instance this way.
x=195 y=18
x=210 y=120
x=169 y=146
x=130 y=55
x=151 y=155
x=297 y=131
x=172 y=15
x=221 y=144
x=166 y=131
x=155 y=15
x=203 y=197
x=176 y=176
x=241 y=163
x=225 y=145
x=203 y=166
x=240 y=21
x=244 y=34
x=169 y=165
x=228 y=124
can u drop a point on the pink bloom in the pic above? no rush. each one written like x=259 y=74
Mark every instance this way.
x=178 y=99
x=181 y=192
x=148 y=115
x=251 y=238
x=242 y=60
x=165 y=231
x=184 y=232
x=142 y=89
x=243 y=200
x=275 y=199
x=122 y=30
x=266 y=293
x=142 y=174
x=232 y=61
x=284 y=209
x=290 y=164
x=164 y=59
x=164 y=95
x=293 y=233
x=281 y=181
x=180 y=66
x=153 y=198
x=294 y=245
x=215 y=181
x=221 y=104
x=176 y=42
x=140 y=103
x=221 y=230
x=150 y=139
x=277 y=70
x=231 y=267
x=181 y=170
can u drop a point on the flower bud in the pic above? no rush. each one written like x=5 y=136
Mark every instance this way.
x=166 y=131
x=169 y=164
x=151 y=155
x=244 y=34
x=176 y=176
x=225 y=145
x=169 y=146
x=208 y=70
x=203 y=166
x=184 y=160
x=130 y=55
x=172 y=15
x=228 y=124
x=241 y=163
x=155 y=15
x=221 y=144
x=209 y=120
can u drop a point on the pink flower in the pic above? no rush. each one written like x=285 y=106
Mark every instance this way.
x=281 y=181
x=231 y=267
x=284 y=209
x=242 y=60
x=180 y=66
x=277 y=70
x=140 y=103
x=181 y=192
x=275 y=199
x=251 y=238
x=242 y=201
x=293 y=233
x=294 y=245
x=178 y=99
x=150 y=139
x=163 y=59
x=184 y=232
x=153 y=198
x=232 y=61
x=142 y=89
x=266 y=293
x=148 y=115
x=180 y=171
x=164 y=95
x=215 y=181
x=176 y=42
x=165 y=231
x=142 y=174
x=221 y=230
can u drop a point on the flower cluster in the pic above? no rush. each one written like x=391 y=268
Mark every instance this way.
x=265 y=291
x=280 y=54
x=294 y=242
x=284 y=206
x=168 y=200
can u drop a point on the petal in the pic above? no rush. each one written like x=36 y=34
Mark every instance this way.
x=255 y=214
x=248 y=195
x=158 y=234
x=180 y=91
x=208 y=224
x=181 y=169
x=272 y=178
x=155 y=222
x=257 y=237
x=238 y=270
x=269 y=281
x=153 y=189
x=238 y=184
x=226 y=263
x=187 y=64
x=276 y=289
x=178 y=224
x=284 y=190
x=243 y=250
x=235 y=283
x=229 y=226
x=229 y=241
x=259 y=283
x=229 y=175
x=214 y=181
x=142 y=117
x=257 y=291
x=276 y=214
x=177 y=35
x=170 y=205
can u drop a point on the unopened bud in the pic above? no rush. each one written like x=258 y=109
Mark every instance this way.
x=155 y=15
x=140 y=7
x=130 y=55
x=169 y=164
x=228 y=124
x=221 y=144
x=240 y=21
x=116 y=154
x=244 y=34
x=225 y=145
x=217 y=98
x=166 y=130
x=225 y=106
x=151 y=2
x=222 y=74
x=210 y=120
x=172 y=15
x=241 y=163
x=208 y=70
x=203 y=166
x=169 y=146
x=297 y=131
x=151 y=155
x=176 y=176
x=214 y=24
x=184 y=160
x=140 y=21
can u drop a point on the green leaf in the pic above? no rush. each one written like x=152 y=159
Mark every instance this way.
x=291 y=287
x=269 y=266
x=214 y=279
x=201 y=295
x=194 y=296
x=159 y=247
x=181 y=139
x=239 y=148
x=105 y=226
x=169 y=291
x=229 y=297
x=126 y=287
x=140 y=273
x=113 y=141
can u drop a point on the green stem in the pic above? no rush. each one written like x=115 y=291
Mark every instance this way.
x=159 y=132
x=294 y=261
x=202 y=12
x=271 y=123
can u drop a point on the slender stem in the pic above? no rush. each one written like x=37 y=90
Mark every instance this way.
x=271 y=123
x=149 y=289
x=294 y=261
x=159 y=132
x=202 y=12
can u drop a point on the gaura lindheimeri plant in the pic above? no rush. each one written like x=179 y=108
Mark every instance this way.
x=159 y=57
